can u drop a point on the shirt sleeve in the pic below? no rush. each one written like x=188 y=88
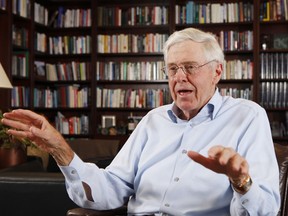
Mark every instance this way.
x=105 y=193
x=257 y=147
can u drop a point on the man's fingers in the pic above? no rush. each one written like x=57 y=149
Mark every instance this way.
x=206 y=162
x=15 y=124
x=19 y=134
x=222 y=160
x=215 y=150
x=223 y=155
x=25 y=116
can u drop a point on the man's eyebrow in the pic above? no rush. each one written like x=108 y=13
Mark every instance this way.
x=183 y=63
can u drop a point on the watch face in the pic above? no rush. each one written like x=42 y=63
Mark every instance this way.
x=242 y=187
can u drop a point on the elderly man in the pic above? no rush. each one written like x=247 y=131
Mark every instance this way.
x=203 y=155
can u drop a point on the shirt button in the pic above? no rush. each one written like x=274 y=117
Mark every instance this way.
x=176 y=179
x=167 y=205
x=73 y=172
x=184 y=151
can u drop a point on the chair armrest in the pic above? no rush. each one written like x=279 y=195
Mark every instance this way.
x=90 y=212
x=34 y=193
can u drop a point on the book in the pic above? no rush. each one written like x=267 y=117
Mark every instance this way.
x=39 y=68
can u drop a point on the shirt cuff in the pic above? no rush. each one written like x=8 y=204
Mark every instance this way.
x=73 y=170
x=250 y=198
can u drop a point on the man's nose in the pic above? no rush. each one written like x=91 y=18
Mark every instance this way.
x=181 y=75
x=182 y=69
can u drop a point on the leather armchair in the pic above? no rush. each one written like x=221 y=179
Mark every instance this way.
x=282 y=158
x=28 y=189
x=32 y=189
x=89 y=212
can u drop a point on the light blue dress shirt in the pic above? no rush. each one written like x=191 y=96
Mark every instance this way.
x=154 y=173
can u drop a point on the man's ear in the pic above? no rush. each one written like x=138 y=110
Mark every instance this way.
x=218 y=72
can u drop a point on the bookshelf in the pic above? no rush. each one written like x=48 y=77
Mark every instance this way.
x=128 y=72
x=5 y=23
x=62 y=62
x=22 y=51
x=100 y=60
x=273 y=56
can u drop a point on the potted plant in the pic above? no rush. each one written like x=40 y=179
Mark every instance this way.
x=13 y=151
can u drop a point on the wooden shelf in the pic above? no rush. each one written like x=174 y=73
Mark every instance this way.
x=7 y=19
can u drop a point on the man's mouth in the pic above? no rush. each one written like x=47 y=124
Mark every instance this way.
x=184 y=92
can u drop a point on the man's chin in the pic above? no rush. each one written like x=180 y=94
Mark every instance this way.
x=185 y=106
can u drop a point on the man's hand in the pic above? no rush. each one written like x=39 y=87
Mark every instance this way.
x=223 y=160
x=27 y=124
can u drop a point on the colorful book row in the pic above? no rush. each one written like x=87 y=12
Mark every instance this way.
x=70 y=71
x=71 y=96
x=22 y=8
x=75 y=125
x=237 y=69
x=40 y=42
x=145 y=15
x=70 y=18
x=40 y=14
x=234 y=41
x=194 y=12
x=132 y=98
x=127 y=43
x=20 y=96
x=70 y=45
x=20 y=64
x=273 y=10
x=130 y=71
x=246 y=93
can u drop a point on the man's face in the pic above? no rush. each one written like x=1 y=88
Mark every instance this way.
x=192 y=92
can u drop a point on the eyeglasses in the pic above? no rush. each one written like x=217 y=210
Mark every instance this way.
x=188 y=69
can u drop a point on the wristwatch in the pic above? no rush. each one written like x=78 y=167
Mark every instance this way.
x=241 y=186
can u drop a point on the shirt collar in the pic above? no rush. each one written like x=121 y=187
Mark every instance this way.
x=211 y=108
